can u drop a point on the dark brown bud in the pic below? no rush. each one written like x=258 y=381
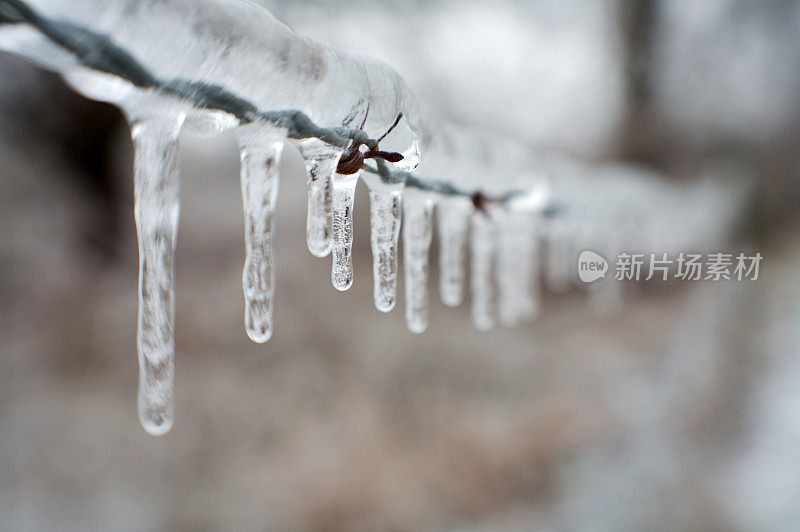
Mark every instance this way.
x=350 y=162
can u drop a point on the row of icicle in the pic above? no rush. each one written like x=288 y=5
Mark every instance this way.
x=503 y=245
x=510 y=251
x=506 y=244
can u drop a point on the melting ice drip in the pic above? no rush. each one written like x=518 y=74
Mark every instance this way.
x=203 y=89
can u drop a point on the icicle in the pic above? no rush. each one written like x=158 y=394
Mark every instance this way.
x=320 y=160
x=482 y=248
x=509 y=273
x=515 y=257
x=453 y=220
x=605 y=295
x=532 y=261
x=156 y=182
x=343 y=189
x=385 y=203
x=260 y=154
x=417 y=235
x=556 y=272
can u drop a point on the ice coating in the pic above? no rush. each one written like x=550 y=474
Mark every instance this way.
x=417 y=236
x=479 y=161
x=482 y=265
x=260 y=150
x=385 y=204
x=156 y=182
x=229 y=38
x=389 y=97
x=453 y=219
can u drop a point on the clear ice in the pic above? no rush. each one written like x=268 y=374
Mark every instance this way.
x=482 y=266
x=156 y=181
x=320 y=160
x=453 y=218
x=557 y=268
x=516 y=258
x=260 y=155
x=344 y=194
x=385 y=204
x=417 y=236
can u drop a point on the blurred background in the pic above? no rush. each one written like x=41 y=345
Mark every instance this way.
x=680 y=412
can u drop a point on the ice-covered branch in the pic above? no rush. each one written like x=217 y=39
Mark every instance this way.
x=213 y=65
x=99 y=53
